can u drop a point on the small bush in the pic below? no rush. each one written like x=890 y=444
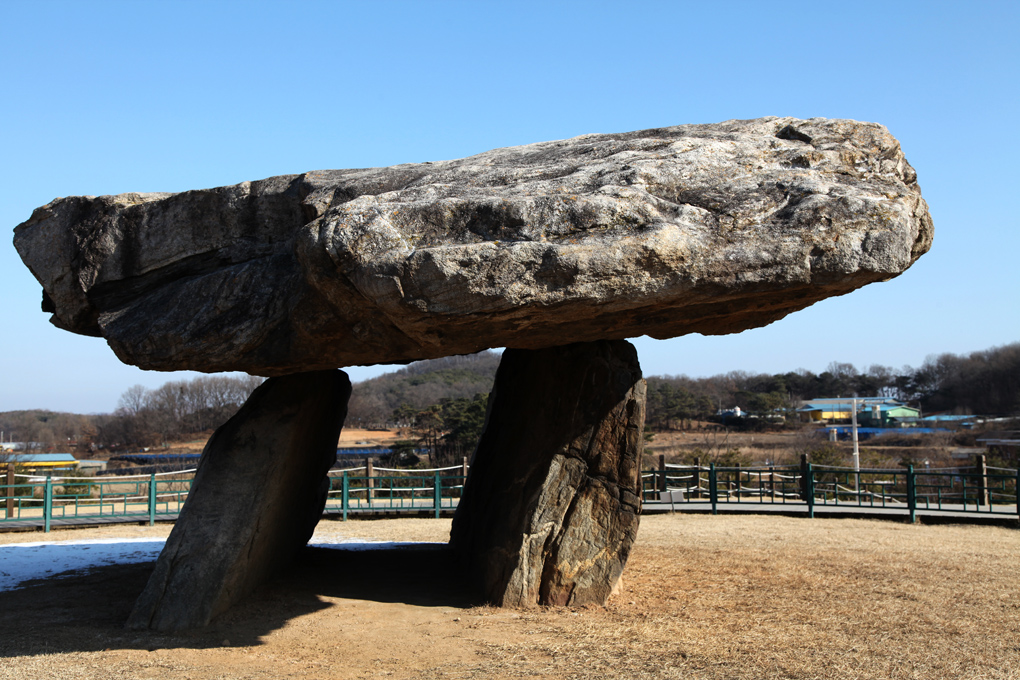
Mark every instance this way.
x=73 y=483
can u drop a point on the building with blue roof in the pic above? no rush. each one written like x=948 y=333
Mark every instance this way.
x=43 y=461
x=871 y=411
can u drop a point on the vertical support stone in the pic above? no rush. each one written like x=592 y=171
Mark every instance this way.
x=259 y=491
x=553 y=496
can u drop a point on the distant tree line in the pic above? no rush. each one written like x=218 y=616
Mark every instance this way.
x=442 y=401
x=144 y=417
x=48 y=429
x=984 y=383
x=149 y=417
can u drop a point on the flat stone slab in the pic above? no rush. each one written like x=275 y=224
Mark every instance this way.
x=695 y=228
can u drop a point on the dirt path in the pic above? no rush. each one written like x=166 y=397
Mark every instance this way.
x=705 y=597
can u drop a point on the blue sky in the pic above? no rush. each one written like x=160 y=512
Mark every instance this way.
x=110 y=97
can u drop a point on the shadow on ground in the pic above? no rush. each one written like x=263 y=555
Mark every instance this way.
x=85 y=611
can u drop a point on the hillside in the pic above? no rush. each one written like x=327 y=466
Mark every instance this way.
x=420 y=385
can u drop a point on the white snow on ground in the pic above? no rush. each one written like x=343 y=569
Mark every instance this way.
x=20 y=562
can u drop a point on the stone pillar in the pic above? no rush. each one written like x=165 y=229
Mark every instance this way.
x=259 y=492
x=553 y=497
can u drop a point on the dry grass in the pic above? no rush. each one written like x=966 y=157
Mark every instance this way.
x=705 y=597
x=755 y=597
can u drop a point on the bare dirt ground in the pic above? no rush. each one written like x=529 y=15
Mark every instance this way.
x=704 y=597
x=349 y=436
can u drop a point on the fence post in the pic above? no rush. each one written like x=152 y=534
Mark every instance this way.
x=1018 y=490
x=464 y=469
x=803 y=477
x=772 y=482
x=697 y=471
x=437 y=493
x=152 y=499
x=369 y=481
x=10 y=490
x=662 y=472
x=47 y=502
x=982 y=467
x=809 y=483
x=343 y=495
x=738 y=482
x=713 y=488
x=911 y=495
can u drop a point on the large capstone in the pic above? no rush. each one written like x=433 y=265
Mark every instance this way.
x=695 y=228
x=550 y=508
x=259 y=492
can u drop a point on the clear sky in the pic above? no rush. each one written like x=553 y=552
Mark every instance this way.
x=109 y=97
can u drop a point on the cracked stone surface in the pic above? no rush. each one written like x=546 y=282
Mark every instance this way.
x=256 y=498
x=695 y=228
x=551 y=505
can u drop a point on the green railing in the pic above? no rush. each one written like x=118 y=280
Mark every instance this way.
x=41 y=500
x=388 y=489
x=985 y=490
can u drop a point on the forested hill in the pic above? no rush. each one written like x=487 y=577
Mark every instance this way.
x=420 y=385
x=452 y=391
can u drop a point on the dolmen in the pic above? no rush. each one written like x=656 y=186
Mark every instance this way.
x=557 y=251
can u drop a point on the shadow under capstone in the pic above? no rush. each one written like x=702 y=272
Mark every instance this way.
x=85 y=611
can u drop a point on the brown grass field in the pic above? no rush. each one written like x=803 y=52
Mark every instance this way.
x=704 y=597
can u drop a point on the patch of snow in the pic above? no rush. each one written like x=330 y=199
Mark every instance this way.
x=21 y=562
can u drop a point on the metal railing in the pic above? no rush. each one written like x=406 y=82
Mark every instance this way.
x=984 y=490
x=29 y=500
x=395 y=490
x=44 y=499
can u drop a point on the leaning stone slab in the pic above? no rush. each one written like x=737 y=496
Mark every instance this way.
x=551 y=506
x=257 y=496
x=695 y=228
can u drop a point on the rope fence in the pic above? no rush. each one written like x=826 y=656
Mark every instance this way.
x=980 y=488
